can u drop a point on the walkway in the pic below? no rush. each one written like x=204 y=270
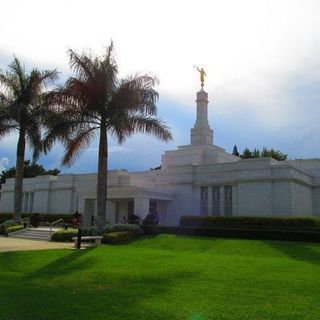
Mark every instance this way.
x=14 y=244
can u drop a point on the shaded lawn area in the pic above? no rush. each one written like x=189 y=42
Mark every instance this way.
x=164 y=277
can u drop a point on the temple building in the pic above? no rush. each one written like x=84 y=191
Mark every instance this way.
x=196 y=179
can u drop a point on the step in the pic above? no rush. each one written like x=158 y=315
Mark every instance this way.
x=24 y=235
x=32 y=233
x=36 y=232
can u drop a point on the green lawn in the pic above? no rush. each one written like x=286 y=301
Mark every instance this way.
x=164 y=277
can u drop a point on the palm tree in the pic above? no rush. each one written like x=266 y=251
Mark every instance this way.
x=94 y=102
x=21 y=97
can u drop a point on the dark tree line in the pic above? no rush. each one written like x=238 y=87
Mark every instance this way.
x=256 y=153
x=30 y=170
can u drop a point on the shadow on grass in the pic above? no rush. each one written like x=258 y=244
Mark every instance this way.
x=68 y=264
x=300 y=251
x=101 y=295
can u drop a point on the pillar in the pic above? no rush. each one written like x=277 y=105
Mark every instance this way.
x=201 y=132
x=141 y=207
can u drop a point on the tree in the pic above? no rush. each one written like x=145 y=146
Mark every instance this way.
x=21 y=97
x=246 y=154
x=235 y=151
x=30 y=170
x=276 y=154
x=256 y=153
x=94 y=102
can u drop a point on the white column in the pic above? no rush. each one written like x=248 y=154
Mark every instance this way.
x=210 y=209
x=141 y=207
x=202 y=109
x=201 y=133
x=111 y=211
x=222 y=213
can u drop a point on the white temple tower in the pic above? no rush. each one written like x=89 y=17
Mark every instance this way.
x=201 y=133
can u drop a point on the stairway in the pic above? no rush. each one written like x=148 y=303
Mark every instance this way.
x=40 y=233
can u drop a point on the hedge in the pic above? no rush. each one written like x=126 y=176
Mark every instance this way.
x=134 y=228
x=64 y=235
x=258 y=234
x=67 y=235
x=12 y=223
x=251 y=222
x=13 y=229
x=118 y=237
x=46 y=217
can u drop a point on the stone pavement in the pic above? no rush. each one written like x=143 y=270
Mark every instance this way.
x=15 y=244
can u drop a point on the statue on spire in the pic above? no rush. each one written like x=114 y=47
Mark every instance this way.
x=202 y=75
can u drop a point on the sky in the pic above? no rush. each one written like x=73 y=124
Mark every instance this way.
x=261 y=57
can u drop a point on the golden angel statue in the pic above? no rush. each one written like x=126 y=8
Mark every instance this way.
x=202 y=75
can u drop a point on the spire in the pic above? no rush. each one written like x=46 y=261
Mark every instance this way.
x=201 y=132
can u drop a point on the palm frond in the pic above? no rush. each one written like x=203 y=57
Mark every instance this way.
x=18 y=70
x=140 y=124
x=136 y=94
x=6 y=129
x=77 y=145
x=81 y=64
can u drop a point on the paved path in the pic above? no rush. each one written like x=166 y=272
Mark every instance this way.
x=15 y=244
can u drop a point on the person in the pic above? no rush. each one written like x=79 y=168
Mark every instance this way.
x=156 y=218
x=76 y=219
x=124 y=220
x=92 y=220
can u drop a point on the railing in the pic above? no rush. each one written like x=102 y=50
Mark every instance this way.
x=54 y=223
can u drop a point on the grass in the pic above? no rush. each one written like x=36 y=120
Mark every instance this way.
x=164 y=277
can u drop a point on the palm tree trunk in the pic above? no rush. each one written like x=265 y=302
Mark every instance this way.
x=19 y=175
x=102 y=178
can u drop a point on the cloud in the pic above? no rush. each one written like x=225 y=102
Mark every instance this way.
x=3 y=164
x=261 y=58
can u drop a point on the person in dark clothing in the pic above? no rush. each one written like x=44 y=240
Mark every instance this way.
x=76 y=219
x=156 y=218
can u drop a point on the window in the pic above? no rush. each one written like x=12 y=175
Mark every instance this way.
x=228 y=201
x=216 y=200
x=204 y=201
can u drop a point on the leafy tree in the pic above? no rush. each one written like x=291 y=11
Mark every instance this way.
x=246 y=154
x=256 y=153
x=276 y=154
x=30 y=170
x=21 y=97
x=95 y=102
x=235 y=151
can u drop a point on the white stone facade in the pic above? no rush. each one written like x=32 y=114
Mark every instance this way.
x=196 y=179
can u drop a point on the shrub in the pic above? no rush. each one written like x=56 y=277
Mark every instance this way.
x=242 y=233
x=64 y=235
x=250 y=222
x=12 y=223
x=35 y=219
x=5 y=217
x=47 y=217
x=118 y=237
x=134 y=228
x=150 y=220
x=52 y=217
x=133 y=219
x=13 y=229
x=92 y=231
